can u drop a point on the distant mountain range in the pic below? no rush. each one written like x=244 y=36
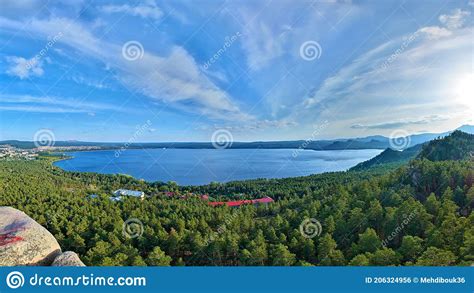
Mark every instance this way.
x=369 y=142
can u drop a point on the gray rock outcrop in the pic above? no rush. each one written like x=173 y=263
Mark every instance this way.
x=24 y=242
x=67 y=259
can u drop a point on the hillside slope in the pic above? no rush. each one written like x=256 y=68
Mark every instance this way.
x=390 y=156
x=456 y=146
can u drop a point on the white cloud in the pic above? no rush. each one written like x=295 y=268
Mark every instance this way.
x=79 y=79
x=435 y=32
x=24 y=7
x=454 y=20
x=38 y=109
x=272 y=31
x=265 y=31
x=24 y=68
x=264 y=48
x=401 y=123
x=49 y=104
x=174 y=79
x=408 y=55
x=416 y=71
x=148 y=9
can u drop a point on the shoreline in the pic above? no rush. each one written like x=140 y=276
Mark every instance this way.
x=313 y=172
x=224 y=149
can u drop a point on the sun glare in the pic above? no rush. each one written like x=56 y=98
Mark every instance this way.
x=464 y=90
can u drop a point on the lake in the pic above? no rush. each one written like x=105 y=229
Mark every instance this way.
x=202 y=166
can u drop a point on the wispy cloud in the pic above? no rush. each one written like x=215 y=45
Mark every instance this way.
x=435 y=32
x=414 y=69
x=38 y=109
x=449 y=23
x=148 y=9
x=24 y=68
x=28 y=103
x=274 y=30
x=79 y=79
x=367 y=79
x=175 y=78
x=262 y=43
x=455 y=20
x=401 y=123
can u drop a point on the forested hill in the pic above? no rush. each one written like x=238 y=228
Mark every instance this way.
x=390 y=156
x=417 y=214
x=457 y=146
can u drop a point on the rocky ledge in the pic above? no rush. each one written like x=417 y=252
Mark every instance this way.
x=24 y=242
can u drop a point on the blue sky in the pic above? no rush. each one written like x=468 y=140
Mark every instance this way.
x=262 y=70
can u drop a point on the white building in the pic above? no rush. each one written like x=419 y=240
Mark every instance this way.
x=126 y=192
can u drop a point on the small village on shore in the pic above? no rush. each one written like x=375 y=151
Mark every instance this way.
x=9 y=152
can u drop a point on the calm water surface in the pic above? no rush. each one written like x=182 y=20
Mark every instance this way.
x=202 y=166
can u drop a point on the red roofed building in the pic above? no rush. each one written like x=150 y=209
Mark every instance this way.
x=237 y=203
x=215 y=203
x=266 y=199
